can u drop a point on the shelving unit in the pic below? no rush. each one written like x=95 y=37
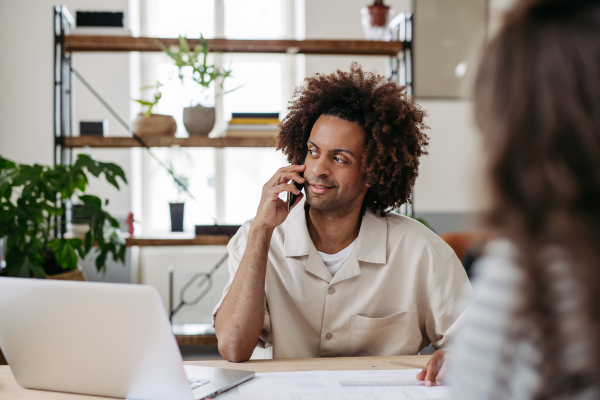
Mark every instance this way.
x=194 y=141
x=326 y=47
x=198 y=240
x=399 y=51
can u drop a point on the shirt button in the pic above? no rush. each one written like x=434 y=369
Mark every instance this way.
x=328 y=336
x=331 y=290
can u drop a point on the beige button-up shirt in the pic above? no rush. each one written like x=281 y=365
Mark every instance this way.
x=401 y=288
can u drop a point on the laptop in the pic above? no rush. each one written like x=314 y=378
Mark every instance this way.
x=99 y=339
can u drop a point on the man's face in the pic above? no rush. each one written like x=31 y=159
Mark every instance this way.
x=334 y=177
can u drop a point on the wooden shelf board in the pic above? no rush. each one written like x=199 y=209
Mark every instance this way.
x=199 y=240
x=194 y=141
x=196 y=340
x=87 y=43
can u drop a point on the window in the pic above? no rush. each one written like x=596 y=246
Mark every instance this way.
x=226 y=183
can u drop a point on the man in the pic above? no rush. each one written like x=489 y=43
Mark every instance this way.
x=339 y=275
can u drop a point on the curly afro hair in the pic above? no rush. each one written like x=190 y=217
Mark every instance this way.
x=391 y=120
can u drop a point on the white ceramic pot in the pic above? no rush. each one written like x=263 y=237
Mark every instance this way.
x=154 y=125
x=199 y=120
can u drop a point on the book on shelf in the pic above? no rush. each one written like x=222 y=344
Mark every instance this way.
x=254 y=119
x=261 y=133
x=254 y=115
x=100 y=31
x=253 y=125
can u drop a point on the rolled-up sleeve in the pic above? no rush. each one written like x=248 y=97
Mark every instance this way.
x=450 y=295
x=236 y=248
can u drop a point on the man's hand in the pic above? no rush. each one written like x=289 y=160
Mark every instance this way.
x=434 y=372
x=272 y=211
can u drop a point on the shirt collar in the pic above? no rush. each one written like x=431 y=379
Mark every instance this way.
x=371 y=244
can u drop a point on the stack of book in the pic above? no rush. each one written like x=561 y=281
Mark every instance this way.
x=253 y=125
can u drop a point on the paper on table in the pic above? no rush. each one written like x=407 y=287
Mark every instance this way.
x=337 y=385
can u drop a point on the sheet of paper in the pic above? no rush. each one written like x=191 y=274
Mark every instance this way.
x=337 y=385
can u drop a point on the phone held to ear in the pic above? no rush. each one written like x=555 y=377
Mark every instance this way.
x=291 y=197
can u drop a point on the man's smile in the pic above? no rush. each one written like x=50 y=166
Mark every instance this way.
x=320 y=189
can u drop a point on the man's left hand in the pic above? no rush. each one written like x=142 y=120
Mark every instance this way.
x=433 y=373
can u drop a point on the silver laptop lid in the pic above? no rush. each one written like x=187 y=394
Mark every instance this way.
x=92 y=338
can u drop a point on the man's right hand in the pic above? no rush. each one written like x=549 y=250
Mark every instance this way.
x=240 y=318
x=272 y=211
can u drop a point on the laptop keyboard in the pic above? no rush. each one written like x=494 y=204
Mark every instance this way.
x=196 y=383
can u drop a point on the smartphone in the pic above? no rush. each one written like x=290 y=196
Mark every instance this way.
x=291 y=197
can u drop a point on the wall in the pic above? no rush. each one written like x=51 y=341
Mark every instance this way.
x=449 y=192
x=26 y=78
x=26 y=104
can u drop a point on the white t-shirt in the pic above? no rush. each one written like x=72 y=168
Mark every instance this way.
x=334 y=262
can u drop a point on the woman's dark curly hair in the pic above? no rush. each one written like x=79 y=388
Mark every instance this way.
x=391 y=120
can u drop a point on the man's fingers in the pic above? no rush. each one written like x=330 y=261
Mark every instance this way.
x=421 y=375
x=290 y=171
x=441 y=376
x=289 y=176
x=284 y=187
x=432 y=372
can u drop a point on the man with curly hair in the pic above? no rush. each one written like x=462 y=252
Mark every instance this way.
x=340 y=275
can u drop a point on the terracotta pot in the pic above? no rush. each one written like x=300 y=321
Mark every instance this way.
x=75 y=275
x=154 y=125
x=199 y=120
x=379 y=15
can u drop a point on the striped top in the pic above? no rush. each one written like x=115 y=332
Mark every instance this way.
x=496 y=355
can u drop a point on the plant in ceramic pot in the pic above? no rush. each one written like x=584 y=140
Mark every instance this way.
x=149 y=124
x=375 y=20
x=177 y=162
x=193 y=65
x=32 y=199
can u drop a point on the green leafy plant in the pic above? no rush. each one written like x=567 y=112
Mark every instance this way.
x=150 y=104
x=196 y=59
x=31 y=201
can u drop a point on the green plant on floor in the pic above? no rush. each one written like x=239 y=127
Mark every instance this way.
x=31 y=201
x=150 y=104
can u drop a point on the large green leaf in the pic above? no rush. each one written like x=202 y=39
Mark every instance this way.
x=65 y=252
x=24 y=265
x=92 y=201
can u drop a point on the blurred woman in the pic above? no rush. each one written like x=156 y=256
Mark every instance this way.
x=534 y=330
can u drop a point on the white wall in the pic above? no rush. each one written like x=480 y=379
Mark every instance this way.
x=26 y=79
x=450 y=177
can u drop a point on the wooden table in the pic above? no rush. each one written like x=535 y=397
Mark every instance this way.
x=10 y=390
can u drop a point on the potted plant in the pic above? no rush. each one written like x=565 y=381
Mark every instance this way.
x=375 y=19
x=178 y=162
x=193 y=65
x=32 y=211
x=149 y=124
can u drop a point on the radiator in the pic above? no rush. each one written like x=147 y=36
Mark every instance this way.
x=154 y=265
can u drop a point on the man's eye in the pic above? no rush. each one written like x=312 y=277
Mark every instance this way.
x=312 y=152
x=339 y=160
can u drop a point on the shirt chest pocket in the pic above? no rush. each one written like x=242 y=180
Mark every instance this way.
x=395 y=335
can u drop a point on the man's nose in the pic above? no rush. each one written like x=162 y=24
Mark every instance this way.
x=320 y=167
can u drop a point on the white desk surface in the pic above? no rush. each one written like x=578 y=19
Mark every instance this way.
x=10 y=390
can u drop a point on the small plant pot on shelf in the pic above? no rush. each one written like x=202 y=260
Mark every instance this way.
x=379 y=15
x=176 y=216
x=199 y=120
x=154 y=125
x=375 y=19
